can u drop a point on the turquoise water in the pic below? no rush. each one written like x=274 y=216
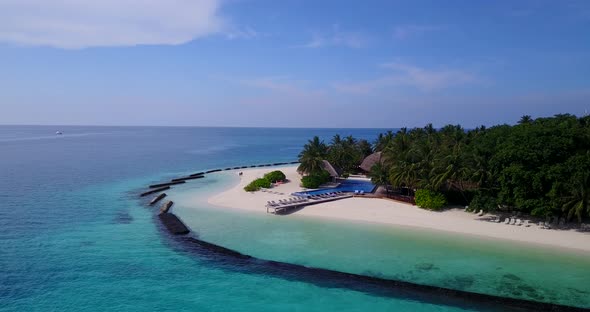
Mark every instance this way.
x=424 y=257
x=74 y=235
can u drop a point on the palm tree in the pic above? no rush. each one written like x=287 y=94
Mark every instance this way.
x=365 y=148
x=384 y=140
x=312 y=156
x=578 y=203
x=336 y=140
x=526 y=119
x=379 y=174
x=451 y=171
x=344 y=154
x=480 y=172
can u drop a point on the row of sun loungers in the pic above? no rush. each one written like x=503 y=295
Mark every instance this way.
x=285 y=202
x=512 y=221
x=552 y=223
x=298 y=201
x=271 y=192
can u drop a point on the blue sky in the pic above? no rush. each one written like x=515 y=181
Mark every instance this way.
x=292 y=63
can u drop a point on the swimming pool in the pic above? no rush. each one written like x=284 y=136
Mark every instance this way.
x=348 y=185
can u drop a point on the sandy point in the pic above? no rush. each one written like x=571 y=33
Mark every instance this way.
x=393 y=213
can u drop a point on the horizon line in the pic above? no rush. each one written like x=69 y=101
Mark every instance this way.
x=187 y=126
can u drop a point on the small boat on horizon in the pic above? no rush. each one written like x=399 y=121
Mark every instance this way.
x=58 y=132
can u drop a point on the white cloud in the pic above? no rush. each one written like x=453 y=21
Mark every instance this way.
x=409 y=75
x=336 y=37
x=90 y=23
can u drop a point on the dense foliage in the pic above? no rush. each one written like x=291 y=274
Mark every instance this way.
x=343 y=153
x=316 y=179
x=347 y=153
x=538 y=166
x=275 y=176
x=257 y=184
x=430 y=200
x=312 y=156
x=541 y=166
x=482 y=201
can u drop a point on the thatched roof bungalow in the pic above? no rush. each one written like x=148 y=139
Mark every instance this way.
x=370 y=161
x=328 y=167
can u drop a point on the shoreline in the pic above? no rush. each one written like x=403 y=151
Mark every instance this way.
x=391 y=213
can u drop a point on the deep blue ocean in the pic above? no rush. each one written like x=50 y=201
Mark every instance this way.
x=74 y=235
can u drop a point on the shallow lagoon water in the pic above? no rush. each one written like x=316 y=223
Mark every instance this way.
x=74 y=235
x=421 y=256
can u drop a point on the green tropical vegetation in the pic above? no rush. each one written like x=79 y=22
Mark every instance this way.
x=343 y=153
x=538 y=166
x=314 y=180
x=257 y=184
x=275 y=176
x=312 y=156
x=266 y=181
x=430 y=199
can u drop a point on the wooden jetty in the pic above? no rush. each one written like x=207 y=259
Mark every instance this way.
x=166 y=184
x=276 y=209
x=157 y=198
x=155 y=190
x=173 y=224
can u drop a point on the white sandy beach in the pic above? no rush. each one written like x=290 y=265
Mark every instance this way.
x=393 y=213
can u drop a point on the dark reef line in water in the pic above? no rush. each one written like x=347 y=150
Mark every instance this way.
x=199 y=175
x=232 y=260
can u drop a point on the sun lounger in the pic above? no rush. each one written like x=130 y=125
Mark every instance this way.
x=518 y=222
x=480 y=213
x=527 y=223
x=507 y=221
